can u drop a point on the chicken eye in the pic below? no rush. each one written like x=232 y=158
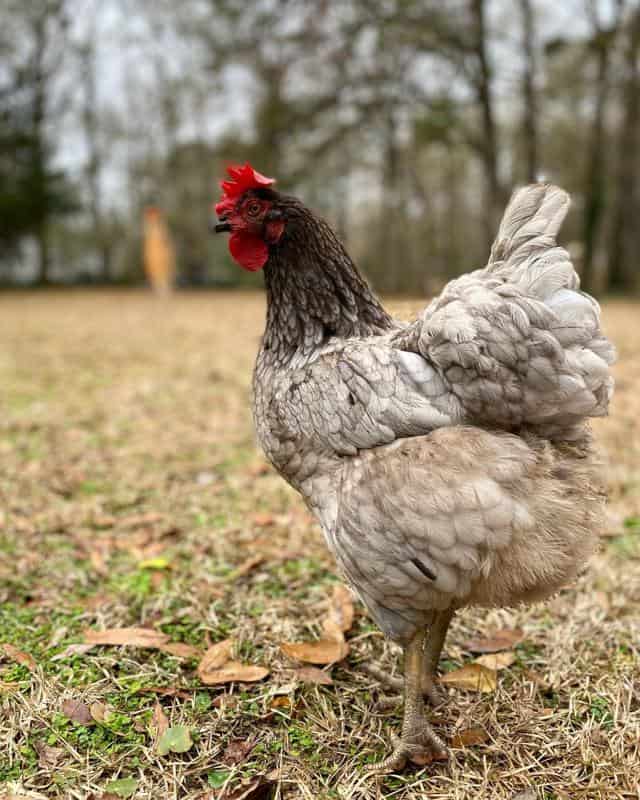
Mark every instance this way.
x=253 y=209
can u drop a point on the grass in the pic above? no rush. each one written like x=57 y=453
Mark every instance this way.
x=132 y=491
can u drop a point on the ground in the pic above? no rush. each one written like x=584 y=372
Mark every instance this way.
x=132 y=491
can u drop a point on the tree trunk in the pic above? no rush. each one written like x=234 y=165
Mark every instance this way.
x=530 y=110
x=93 y=169
x=39 y=165
x=391 y=235
x=489 y=150
x=624 y=242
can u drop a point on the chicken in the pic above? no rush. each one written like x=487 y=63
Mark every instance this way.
x=448 y=460
x=159 y=256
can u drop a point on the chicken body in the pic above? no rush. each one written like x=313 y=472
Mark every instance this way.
x=448 y=460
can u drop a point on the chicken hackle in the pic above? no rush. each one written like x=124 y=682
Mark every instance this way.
x=448 y=460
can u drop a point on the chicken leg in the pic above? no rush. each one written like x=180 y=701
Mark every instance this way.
x=433 y=649
x=418 y=741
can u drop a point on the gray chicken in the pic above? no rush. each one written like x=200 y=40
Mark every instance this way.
x=447 y=460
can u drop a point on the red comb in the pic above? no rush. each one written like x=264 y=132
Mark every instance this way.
x=241 y=179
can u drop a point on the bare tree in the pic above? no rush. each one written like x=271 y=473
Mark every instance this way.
x=624 y=240
x=601 y=47
x=93 y=133
x=482 y=82
x=529 y=95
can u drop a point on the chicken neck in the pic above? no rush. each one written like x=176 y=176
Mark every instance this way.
x=314 y=291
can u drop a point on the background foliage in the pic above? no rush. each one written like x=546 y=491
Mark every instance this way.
x=405 y=122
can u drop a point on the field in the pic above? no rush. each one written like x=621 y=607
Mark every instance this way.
x=133 y=495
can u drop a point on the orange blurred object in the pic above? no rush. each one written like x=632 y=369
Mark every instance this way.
x=159 y=255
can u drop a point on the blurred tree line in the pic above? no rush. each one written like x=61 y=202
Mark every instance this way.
x=405 y=122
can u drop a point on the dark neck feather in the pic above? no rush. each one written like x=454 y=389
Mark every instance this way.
x=314 y=291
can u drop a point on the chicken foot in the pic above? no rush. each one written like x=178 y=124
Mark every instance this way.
x=418 y=742
x=432 y=652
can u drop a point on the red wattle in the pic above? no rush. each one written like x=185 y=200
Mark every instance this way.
x=248 y=250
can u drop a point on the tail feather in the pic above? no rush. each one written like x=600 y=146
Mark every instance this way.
x=530 y=224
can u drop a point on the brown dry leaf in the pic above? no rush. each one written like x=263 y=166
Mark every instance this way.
x=217 y=655
x=325 y=651
x=246 y=566
x=237 y=751
x=233 y=672
x=73 y=650
x=313 y=675
x=474 y=677
x=469 y=737
x=340 y=611
x=159 y=722
x=48 y=757
x=180 y=650
x=99 y=711
x=283 y=701
x=77 y=711
x=133 y=637
x=499 y=640
x=263 y=519
x=497 y=661
x=19 y=656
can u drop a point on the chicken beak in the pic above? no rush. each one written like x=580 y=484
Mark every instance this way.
x=222 y=227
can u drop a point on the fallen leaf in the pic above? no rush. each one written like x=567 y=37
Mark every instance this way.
x=159 y=722
x=262 y=519
x=499 y=640
x=19 y=656
x=282 y=701
x=123 y=787
x=176 y=739
x=237 y=751
x=233 y=672
x=325 y=651
x=77 y=712
x=246 y=566
x=474 y=677
x=78 y=649
x=49 y=757
x=313 y=675
x=99 y=712
x=497 y=661
x=57 y=637
x=217 y=655
x=340 y=610
x=180 y=650
x=132 y=637
x=469 y=737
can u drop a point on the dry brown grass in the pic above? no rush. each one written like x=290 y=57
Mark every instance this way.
x=117 y=406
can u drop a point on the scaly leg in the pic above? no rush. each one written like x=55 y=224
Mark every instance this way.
x=418 y=741
x=433 y=651
x=435 y=641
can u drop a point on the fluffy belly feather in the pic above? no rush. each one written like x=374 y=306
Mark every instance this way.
x=463 y=516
